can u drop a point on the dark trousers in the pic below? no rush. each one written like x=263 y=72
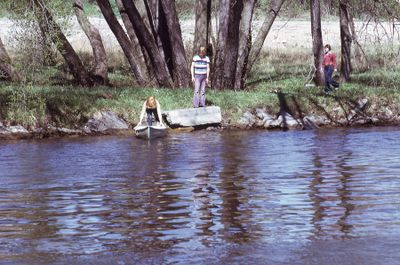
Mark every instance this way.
x=151 y=114
x=328 y=72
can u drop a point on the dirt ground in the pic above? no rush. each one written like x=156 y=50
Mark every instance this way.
x=285 y=34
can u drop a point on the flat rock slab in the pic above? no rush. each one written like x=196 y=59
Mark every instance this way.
x=193 y=117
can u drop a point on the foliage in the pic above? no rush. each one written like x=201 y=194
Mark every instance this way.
x=70 y=106
x=378 y=78
x=23 y=106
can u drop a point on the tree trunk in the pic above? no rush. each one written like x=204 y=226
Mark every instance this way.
x=139 y=51
x=201 y=33
x=232 y=46
x=123 y=40
x=359 y=53
x=345 y=38
x=150 y=13
x=316 y=33
x=50 y=28
x=146 y=40
x=164 y=43
x=275 y=7
x=228 y=43
x=100 y=67
x=180 y=66
x=6 y=66
x=154 y=18
x=153 y=5
x=223 y=15
x=328 y=6
x=244 y=43
x=128 y=25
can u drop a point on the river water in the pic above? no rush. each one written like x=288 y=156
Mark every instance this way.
x=257 y=197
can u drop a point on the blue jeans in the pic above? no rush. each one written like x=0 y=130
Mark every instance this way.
x=199 y=97
x=328 y=72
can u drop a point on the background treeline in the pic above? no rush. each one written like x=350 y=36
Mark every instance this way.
x=149 y=34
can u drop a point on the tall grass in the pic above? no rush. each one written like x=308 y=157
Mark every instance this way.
x=71 y=106
x=50 y=99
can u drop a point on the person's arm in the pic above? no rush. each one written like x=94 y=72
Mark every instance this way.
x=334 y=62
x=142 y=113
x=192 y=70
x=208 y=70
x=159 y=112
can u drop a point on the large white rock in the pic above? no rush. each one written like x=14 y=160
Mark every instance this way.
x=17 y=129
x=193 y=117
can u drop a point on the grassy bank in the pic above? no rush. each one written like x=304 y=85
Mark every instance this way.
x=48 y=99
x=71 y=106
x=68 y=106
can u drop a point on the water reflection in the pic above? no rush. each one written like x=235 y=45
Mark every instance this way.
x=203 y=208
x=190 y=192
x=329 y=189
x=236 y=211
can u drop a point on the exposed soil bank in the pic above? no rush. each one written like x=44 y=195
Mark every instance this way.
x=344 y=113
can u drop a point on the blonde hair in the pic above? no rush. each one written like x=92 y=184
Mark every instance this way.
x=151 y=102
x=203 y=50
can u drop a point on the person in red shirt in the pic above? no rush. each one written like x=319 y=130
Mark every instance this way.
x=329 y=66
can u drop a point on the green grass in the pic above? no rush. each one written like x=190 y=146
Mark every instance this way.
x=71 y=107
x=43 y=101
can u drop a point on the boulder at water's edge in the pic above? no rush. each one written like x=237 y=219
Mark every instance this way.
x=193 y=117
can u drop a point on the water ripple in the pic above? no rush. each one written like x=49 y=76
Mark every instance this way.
x=188 y=191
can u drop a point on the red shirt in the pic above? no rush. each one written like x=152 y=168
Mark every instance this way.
x=329 y=59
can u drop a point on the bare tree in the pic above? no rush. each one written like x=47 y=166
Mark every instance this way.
x=316 y=33
x=222 y=38
x=203 y=23
x=123 y=40
x=6 y=65
x=346 y=39
x=100 y=68
x=359 y=53
x=244 y=43
x=139 y=51
x=50 y=28
x=180 y=66
x=273 y=11
x=154 y=18
x=328 y=6
x=227 y=43
x=147 y=40
x=232 y=46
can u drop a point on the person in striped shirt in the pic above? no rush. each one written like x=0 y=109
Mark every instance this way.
x=200 y=71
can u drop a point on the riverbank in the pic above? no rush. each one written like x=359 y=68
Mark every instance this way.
x=54 y=111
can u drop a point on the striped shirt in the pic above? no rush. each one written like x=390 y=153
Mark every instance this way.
x=200 y=65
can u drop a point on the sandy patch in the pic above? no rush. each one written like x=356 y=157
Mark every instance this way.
x=283 y=35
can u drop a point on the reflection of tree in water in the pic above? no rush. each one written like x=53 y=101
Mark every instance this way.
x=331 y=157
x=344 y=194
x=203 y=205
x=153 y=210
x=314 y=194
x=82 y=210
x=236 y=211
